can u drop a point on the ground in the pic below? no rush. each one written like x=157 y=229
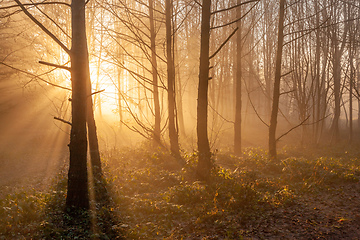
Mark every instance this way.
x=152 y=196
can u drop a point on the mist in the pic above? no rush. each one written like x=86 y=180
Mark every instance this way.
x=179 y=119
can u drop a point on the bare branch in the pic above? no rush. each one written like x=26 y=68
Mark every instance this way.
x=221 y=115
x=283 y=93
x=286 y=133
x=223 y=44
x=62 y=120
x=100 y=91
x=36 y=4
x=55 y=65
x=42 y=27
x=285 y=74
x=197 y=2
x=52 y=20
x=236 y=20
x=237 y=5
x=35 y=76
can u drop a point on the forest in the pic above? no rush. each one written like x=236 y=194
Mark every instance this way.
x=179 y=119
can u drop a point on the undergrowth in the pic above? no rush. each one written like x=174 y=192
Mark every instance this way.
x=153 y=196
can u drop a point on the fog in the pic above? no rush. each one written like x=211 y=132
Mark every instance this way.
x=313 y=109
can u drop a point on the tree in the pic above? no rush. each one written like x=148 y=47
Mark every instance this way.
x=338 y=46
x=276 y=90
x=204 y=164
x=157 y=124
x=77 y=193
x=173 y=134
x=238 y=94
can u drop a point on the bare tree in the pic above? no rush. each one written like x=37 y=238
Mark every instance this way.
x=276 y=90
x=204 y=164
x=173 y=133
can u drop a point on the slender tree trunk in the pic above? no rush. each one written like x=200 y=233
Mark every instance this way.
x=204 y=164
x=92 y=135
x=119 y=69
x=238 y=95
x=276 y=91
x=336 y=71
x=351 y=103
x=77 y=194
x=338 y=51
x=352 y=80
x=267 y=53
x=358 y=88
x=178 y=86
x=180 y=109
x=97 y=98
x=154 y=75
x=317 y=102
x=173 y=134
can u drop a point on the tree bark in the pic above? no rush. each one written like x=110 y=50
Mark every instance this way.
x=238 y=94
x=204 y=164
x=157 y=116
x=92 y=136
x=173 y=134
x=276 y=90
x=77 y=194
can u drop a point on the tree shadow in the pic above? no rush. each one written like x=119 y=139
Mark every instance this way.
x=100 y=222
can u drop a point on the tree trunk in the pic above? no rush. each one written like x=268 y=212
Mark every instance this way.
x=276 y=91
x=337 y=78
x=77 y=194
x=93 y=139
x=91 y=125
x=338 y=52
x=204 y=165
x=154 y=75
x=238 y=95
x=317 y=102
x=352 y=80
x=173 y=134
x=350 y=98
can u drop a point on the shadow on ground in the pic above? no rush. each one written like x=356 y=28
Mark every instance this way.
x=101 y=222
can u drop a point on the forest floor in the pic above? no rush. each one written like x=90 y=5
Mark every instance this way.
x=306 y=194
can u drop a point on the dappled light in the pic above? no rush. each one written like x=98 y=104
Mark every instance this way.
x=179 y=119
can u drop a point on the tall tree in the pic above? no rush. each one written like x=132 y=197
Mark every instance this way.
x=238 y=94
x=157 y=130
x=276 y=90
x=173 y=134
x=338 y=45
x=77 y=194
x=204 y=164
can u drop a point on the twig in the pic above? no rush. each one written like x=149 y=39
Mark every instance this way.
x=223 y=44
x=50 y=34
x=286 y=133
x=55 y=65
x=285 y=74
x=35 y=76
x=283 y=93
x=62 y=120
x=100 y=91
x=221 y=115
x=237 y=5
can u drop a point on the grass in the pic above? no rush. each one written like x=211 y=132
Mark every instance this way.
x=151 y=196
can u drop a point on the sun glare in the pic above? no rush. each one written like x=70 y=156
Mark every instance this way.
x=105 y=85
x=32 y=139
